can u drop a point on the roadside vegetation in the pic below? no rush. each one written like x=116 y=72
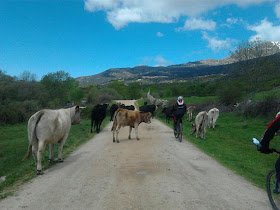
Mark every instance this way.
x=230 y=144
x=13 y=147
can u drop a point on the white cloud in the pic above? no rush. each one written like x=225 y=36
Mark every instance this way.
x=122 y=12
x=217 y=44
x=160 y=61
x=159 y=34
x=232 y=20
x=198 y=24
x=155 y=61
x=277 y=9
x=266 y=31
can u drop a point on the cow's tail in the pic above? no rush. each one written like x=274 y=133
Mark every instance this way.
x=32 y=134
x=204 y=121
x=115 y=120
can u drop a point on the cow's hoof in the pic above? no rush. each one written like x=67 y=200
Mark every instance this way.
x=39 y=172
x=114 y=141
x=118 y=141
x=51 y=160
x=138 y=139
x=60 y=160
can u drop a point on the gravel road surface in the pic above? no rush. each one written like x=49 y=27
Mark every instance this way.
x=156 y=172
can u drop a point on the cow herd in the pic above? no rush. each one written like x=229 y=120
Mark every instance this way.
x=202 y=119
x=47 y=127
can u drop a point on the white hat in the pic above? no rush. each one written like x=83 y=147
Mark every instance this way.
x=180 y=100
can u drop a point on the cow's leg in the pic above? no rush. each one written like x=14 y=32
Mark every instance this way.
x=197 y=131
x=35 y=151
x=60 y=147
x=204 y=132
x=98 y=126
x=41 y=148
x=95 y=126
x=91 y=125
x=214 y=122
x=117 y=136
x=130 y=129
x=114 y=131
x=136 y=131
x=51 y=148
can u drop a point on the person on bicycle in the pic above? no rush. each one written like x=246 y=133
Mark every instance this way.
x=268 y=135
x=178 y=110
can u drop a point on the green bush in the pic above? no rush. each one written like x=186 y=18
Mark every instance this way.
x=230 y=95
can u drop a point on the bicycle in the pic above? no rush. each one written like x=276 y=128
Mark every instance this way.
x=178 y=130
x=272 y=185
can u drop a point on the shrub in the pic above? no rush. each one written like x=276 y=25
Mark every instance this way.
x=230 y=95
x=267 y=107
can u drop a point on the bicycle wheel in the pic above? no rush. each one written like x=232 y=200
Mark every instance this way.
x=180 y=132
x=272 y=188
x=175 y=131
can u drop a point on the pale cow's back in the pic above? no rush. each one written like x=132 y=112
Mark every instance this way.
x=200 y=124
x=54 y=124
x=213 y=115
x=48 y=127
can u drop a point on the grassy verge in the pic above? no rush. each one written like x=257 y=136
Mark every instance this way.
x=230 y=144
x=13 y=147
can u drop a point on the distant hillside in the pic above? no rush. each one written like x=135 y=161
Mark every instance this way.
x=150 y=75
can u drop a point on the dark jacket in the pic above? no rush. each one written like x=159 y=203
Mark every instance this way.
x=179 y=109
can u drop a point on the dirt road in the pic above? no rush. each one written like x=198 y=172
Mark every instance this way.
x=156 y=172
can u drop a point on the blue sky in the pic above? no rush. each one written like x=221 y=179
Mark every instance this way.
x=87 y=37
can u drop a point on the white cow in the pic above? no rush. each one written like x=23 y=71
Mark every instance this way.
x=48 y=127
x=190 y=112
x=155 y=101
x=213 y=115
x=200 y=124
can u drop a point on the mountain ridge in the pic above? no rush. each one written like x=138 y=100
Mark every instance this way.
x=167 y=74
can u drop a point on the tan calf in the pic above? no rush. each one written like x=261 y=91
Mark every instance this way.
x=124 y=117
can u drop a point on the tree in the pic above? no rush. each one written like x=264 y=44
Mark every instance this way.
x=60 y=86
x=253 y=63
x=27 y=76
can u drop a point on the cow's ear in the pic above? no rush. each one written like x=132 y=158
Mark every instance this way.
x=77 y=108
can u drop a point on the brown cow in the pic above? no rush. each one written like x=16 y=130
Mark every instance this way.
x=190 y=112
x=124 y=117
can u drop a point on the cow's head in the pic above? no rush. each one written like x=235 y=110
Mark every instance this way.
x=147 y=117
x=193 y=128
x=76 y=119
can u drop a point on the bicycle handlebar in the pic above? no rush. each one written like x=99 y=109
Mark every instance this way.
x=257 y=143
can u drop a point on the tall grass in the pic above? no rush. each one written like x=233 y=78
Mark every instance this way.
x=13 y=147
x=230 y=144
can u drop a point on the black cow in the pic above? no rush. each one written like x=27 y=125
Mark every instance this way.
x=113 y=108
x=148 y=108
x=168 y=111
x=130 y=107
x=97 y=116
